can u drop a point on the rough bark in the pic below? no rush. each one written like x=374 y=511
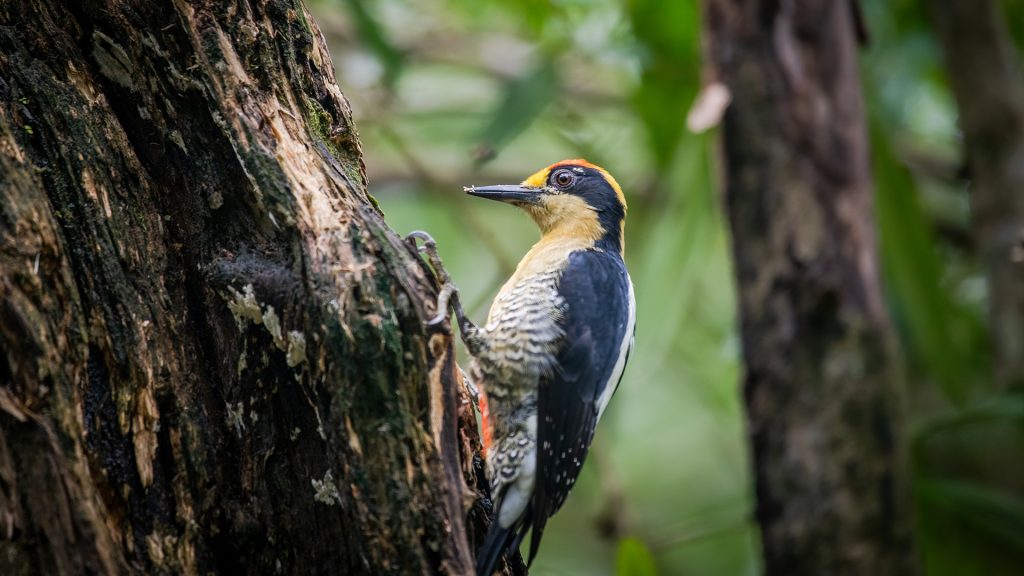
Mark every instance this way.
x=823 y=411
x=985 y=75
x=213 y=356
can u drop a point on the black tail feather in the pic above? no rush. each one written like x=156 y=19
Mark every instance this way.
x=500 y=541
x=538 y=532
x=495 y=543
x=519 y=537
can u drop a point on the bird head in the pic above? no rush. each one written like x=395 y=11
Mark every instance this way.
x=571 y=198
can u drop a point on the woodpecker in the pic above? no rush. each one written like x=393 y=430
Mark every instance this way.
x=553 y=349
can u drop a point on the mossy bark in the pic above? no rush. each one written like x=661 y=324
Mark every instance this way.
x=824 y=414
x=213 y=352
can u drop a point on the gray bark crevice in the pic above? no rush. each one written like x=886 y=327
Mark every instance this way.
x=213 y=352
x=824 y=413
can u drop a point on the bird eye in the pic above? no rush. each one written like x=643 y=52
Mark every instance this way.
x=563 y=179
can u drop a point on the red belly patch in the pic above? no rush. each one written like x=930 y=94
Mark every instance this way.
x=485 y=416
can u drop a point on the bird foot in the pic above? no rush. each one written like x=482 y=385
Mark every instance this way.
x=448 y=297
x=449 y=294
x=474 y=392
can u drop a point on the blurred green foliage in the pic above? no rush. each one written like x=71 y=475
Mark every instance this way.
x=452 y=93
x=634 y=559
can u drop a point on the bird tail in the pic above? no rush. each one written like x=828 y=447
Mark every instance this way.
x=499 y=541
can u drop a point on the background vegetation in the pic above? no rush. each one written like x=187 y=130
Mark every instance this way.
x=450 y=93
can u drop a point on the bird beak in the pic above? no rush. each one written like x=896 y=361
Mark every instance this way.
x=513 y=194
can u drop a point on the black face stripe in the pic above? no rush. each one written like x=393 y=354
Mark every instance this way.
x=591 y=186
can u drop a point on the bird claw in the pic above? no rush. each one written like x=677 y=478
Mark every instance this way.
x=443 y=298
x=429 y=248
x=420 y=235
x=448 y=297
x=448 y=289
x=474 y=392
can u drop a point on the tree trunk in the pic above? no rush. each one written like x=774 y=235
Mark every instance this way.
x=986 y=79
x=824 y=415
x=213 y=352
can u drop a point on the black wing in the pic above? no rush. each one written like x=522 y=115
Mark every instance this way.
x=596 y=291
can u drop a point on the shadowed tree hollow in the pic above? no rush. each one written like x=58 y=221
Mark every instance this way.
x=213 y=352
x=823 y=415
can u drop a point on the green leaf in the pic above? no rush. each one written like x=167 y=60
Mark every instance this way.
x=996 y=513
x=535 y=13
x=965 y=529
x=374 y=36
x=1013 y=10
x=1008 y=406
x=945 y=336
x=634 y=559
x=667 y=35
x=525 y=98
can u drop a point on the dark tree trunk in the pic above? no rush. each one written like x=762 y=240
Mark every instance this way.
x=213 y=357
x=986 y=78
x=824 y=415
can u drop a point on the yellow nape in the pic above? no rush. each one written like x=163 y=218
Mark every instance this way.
x=540 y=178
